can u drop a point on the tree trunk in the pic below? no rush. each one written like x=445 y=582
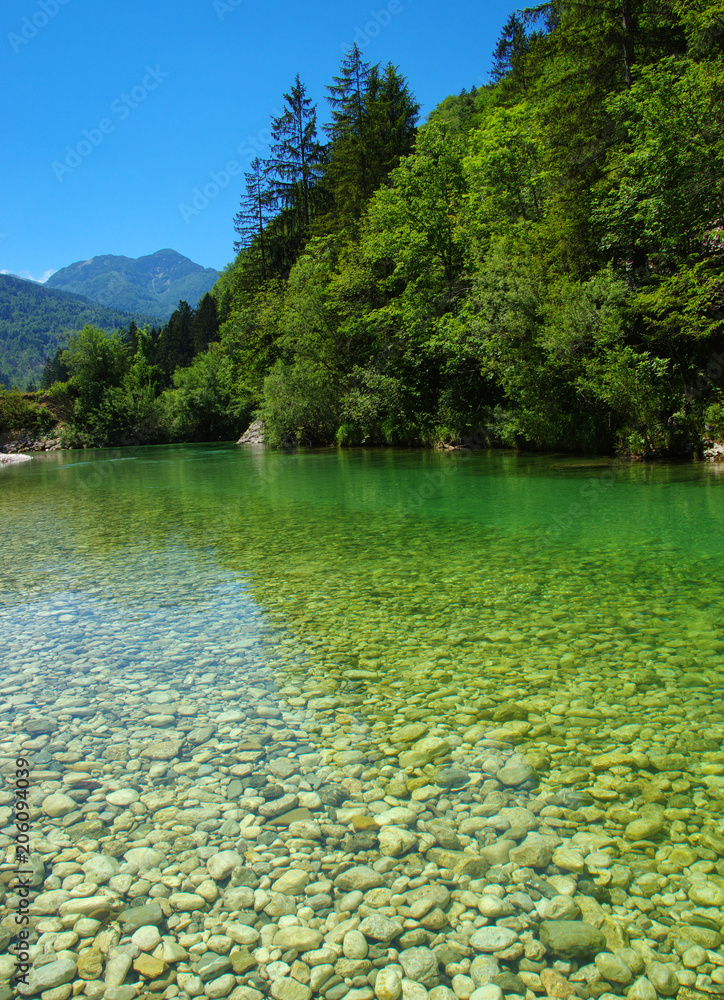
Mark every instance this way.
x=628 y=52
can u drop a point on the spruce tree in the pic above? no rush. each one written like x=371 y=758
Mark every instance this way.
x=255 y=213
x=392 y=113
x=293 y=167
x=205 y=324
x=349 y=134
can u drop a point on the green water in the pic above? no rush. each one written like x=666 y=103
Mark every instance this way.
x=447 y=587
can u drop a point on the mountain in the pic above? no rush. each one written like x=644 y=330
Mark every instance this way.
x=154 y=284
x=35 y=321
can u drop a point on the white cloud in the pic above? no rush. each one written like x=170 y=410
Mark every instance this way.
x=29 y=277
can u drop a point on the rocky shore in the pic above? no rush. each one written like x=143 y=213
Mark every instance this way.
x=27 y=442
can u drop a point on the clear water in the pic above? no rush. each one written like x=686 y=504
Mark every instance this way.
x=406 y=585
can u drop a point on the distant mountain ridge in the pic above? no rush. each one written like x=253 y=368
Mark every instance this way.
x=36 y=320
x=154 y=284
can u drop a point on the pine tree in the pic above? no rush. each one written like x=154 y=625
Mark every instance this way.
x=373 y=125
x=205 y=324
x=255 y=213
x=55 y=370
x=175 y=344
x=511 y=54
x=295 y=154
x=392 y=113
x=349 y=134
x=130 y=337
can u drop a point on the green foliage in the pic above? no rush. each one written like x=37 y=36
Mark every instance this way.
x=300 y=403
x=715 y=421
x=205 y=403
x=541 y=265
x=19 y=413
x=35 y=321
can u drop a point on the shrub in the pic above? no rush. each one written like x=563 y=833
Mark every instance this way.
x=17 y=413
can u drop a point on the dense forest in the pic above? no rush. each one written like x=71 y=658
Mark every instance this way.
x=538 y=265
x=34 y=320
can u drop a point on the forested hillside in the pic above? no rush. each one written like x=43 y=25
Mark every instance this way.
x=153 y=284
x=539 y=265
x=35 y=320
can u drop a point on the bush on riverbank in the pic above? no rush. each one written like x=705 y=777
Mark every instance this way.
x=19 y=412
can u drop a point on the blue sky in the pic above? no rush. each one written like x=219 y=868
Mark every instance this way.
x=121 y=117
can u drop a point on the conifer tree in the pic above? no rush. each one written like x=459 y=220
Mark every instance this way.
x=392 y=113
x=205 y=324
x=255 y=213
x=349 y=133
x=293 y=167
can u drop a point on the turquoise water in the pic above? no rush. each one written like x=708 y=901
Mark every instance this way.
x=466 y=590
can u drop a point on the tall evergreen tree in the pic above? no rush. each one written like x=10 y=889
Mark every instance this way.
x=255 y=213
x=512 y=52
x=373 y=125
x=392 y=112
x=55 y=370
x=295 y=154
x=349 y=134
x=176 y=342
x=205 y=324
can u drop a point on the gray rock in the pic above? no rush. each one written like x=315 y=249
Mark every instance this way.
x=52 y=975
x=354 y=945
x=489 y=992
x=534 y=852
x=221 y=865
x=419 y=964
x=444 y=835
x=706 y=894
x=220 y=987
x=510 y=983
x=649 y=823
x=117 y=968
x=120 y=992
x=484 y=969
x=663 y=978
x=290 y=989
x=278 y=806
x=150 y=915
x=297 y=939
x=613 y=969
x=388 y=985
x=516 y=772
x=493 y=938
x=642 y=989
x=360 y=877
x=571 y=938
x=211 y=966
x=58 y=805
x=380 y=928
